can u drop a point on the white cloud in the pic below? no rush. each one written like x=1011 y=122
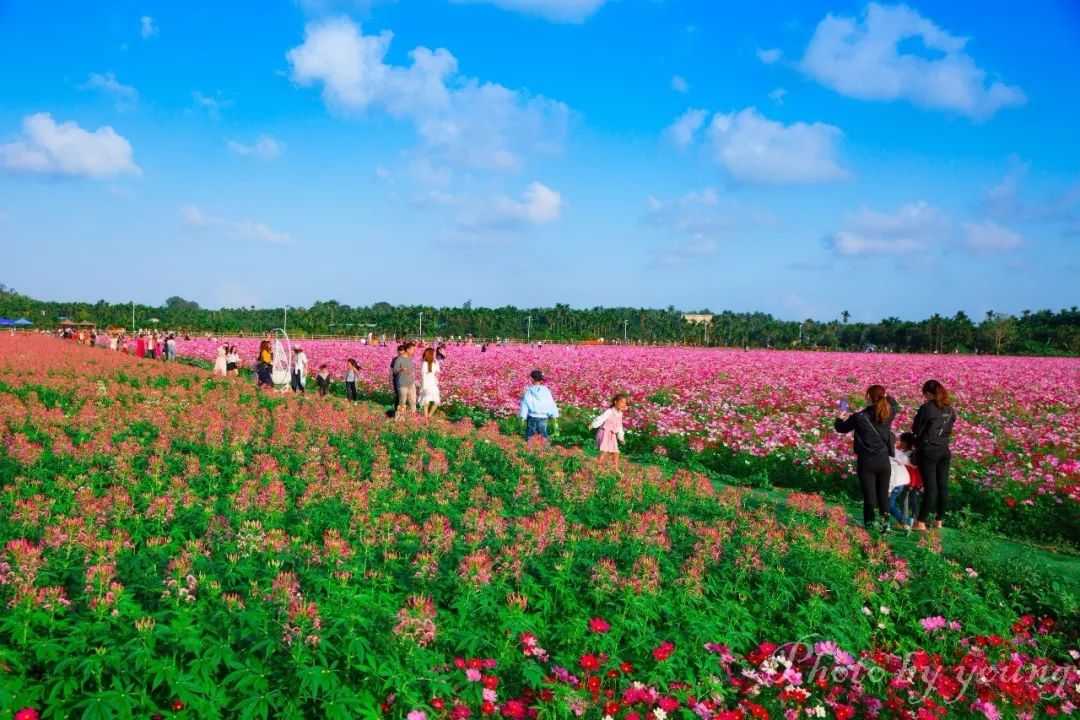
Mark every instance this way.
x=539 y=205
x=147 y=28
x=756 y=149
x=863 y=59
x=1006 y=200
x=570 y=11
x=777 y=95
x=700 y=219
x=264 y=148
x=126 y=96
x=47 y=148
x=989 y=237
x=193 y=216
x=913 y=228
x=769 y=57
x=679 y=84
x=683 y=131
x=212 y=105
x=464 y=121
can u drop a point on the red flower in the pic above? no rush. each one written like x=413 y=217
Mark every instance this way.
x=626 y=668
x=514 y=709
x=669 y=704
x=490 y=682
x=589 y=662
x=593 y=684
x=599 y=625
x=438 y=703
x=487 y=707
x=459 y=663
x=177 y=705
x=546 y=695
x=28 y=713
x=663 y=651
x=844 y=712
x=1011 y=502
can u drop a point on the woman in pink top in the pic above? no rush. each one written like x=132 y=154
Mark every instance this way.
x=609 y=430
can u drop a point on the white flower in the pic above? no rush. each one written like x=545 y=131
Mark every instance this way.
x=884 y=610
x=881 y=625
x=659 y=714
x=867 y=611
x=818 y=711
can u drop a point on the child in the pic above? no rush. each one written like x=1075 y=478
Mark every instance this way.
x=352 y=374
x=900 y=481
x=322 y=379
x=609 y=430
x=537 y=408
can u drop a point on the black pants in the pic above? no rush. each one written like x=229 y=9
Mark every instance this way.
x=324 y=385
x=350 y=390
x=934 y=468
x=296 y=385
x=873 y=475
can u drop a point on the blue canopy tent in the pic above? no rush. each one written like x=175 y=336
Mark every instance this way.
x=6 y=322
x=22 y=322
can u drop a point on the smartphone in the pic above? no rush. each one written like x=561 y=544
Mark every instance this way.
x=843 y=406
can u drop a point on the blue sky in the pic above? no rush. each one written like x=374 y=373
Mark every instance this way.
x=797 y=158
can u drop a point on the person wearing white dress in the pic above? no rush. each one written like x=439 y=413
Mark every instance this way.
x=429 y=383
x=219 y=363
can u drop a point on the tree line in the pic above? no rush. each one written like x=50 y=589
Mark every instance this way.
x=1042 y=332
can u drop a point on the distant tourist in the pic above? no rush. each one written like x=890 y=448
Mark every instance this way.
x=170 y=348
x=140 y=346
x=151 y=347
x=933 y=426
x=537 y=408
x=440 y=352
x=609 y=431
x=873 y=448
x=264 y=365
x=232 y=361
x=322 y=379
x=299 y=372
x=221 y=364
x=405 y=380
x=352 y=374
x=429 y=383
x=393 y=375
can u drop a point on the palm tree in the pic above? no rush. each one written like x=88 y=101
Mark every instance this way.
x=846 y=315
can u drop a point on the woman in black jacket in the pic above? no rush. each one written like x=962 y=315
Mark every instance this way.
x=873 y=448
x=933 y=426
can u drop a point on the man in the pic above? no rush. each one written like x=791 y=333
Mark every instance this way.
x=537 y=407
x=404 y=379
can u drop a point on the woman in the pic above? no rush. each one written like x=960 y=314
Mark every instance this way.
x=299 y=373
x=933 y=427
x=352 y=374
x=873 y=448
x=264 y=365
x=232 y=361
x=429 y=383
x=220 y=362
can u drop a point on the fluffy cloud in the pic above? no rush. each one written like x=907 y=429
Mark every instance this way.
x=989 y=237
x=264 y=148
x=193 y=216
x=126 y=96
x=571 y=11
x=683 y=131
x=910 y=229
x=539 y=205
x=679 y=84
x=699 y=220
x=753 y=148
x=864 y=59
x=146 y=27
x=769 y=57
x=464 y=121
x=48 y=148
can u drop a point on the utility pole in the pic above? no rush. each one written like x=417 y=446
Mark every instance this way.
x=528 y=329
x=624 y=331
x=132 y=317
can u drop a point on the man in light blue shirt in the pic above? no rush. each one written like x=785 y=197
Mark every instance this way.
x=537 y=407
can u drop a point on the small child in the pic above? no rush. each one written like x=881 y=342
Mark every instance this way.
x=609 y=430
x=352 y=374
x=903 y=481
x=322 y=379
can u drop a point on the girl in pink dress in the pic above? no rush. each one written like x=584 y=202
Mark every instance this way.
x=609 y=430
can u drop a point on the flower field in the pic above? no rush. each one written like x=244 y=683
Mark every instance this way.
x=1016 y=448
x=176 y=545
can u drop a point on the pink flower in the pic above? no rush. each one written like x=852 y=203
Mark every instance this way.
x=599 y=625
x=930 y=624
x=417 y=715
x=472 y=675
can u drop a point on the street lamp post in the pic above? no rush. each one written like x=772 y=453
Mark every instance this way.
x=528 y=328
x=624 y=331
x=285 y=323
x=132 y=317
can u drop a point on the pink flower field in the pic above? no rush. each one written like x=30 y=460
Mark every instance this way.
x=1018 y=438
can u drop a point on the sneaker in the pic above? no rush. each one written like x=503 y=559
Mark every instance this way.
x=907 y=528
x=884 y=526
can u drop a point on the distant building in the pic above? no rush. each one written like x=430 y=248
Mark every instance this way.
x=698 y=319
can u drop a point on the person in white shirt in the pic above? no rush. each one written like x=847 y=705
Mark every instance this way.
x=430 y=398
x=299 y=373
x=899 y=480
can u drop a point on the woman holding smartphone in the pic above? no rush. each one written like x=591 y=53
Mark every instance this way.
x=872 y=431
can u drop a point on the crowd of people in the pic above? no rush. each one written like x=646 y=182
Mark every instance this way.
x=896 y=475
